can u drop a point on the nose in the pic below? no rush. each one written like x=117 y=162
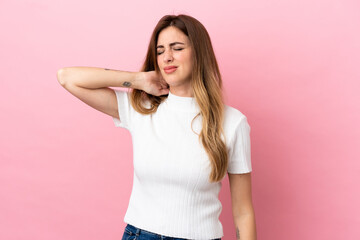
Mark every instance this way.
x=168 y=57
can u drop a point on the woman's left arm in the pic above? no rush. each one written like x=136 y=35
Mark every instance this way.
x=242 y=207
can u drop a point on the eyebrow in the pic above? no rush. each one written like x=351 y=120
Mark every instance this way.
x=171 y=44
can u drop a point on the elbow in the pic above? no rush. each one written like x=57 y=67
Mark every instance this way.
x=61 y=76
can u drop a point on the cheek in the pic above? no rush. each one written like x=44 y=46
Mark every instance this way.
x=185 y=59
x=189 y=58
x=158 y=61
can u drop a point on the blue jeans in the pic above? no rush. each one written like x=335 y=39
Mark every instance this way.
x=133 y=233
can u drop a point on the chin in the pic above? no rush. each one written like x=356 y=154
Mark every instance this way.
x=173 y=81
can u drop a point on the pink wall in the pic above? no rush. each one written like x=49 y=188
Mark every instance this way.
x=291 y=66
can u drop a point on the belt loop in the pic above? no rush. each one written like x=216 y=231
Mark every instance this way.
x=138 y=231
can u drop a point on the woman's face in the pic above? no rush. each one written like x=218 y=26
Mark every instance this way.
x=173 y=49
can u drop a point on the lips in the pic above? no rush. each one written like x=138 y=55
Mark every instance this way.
x=170 y=69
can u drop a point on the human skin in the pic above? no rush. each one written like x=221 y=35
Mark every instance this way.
x=174 y=49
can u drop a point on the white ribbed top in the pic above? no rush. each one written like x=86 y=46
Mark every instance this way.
x=171 y=193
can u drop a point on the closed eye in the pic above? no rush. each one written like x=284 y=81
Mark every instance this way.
x=176 y=49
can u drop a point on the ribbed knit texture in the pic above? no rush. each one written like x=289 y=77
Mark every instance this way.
x=171 y=193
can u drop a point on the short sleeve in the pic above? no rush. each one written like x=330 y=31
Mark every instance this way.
x=240 y=149
x=124 y=108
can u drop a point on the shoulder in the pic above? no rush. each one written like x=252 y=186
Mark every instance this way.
x=233 y=120
x=232 y=116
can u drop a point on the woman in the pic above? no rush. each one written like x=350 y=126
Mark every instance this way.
x=185 y=139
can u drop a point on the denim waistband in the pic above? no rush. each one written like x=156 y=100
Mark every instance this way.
x=137 y=231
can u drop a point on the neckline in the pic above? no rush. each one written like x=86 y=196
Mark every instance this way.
x=183 y=104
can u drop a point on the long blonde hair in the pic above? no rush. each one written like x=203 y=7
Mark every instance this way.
x=207 y=88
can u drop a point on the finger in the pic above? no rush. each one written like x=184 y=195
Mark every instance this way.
x=162 y=80
x=164 y=87
x=164 y=91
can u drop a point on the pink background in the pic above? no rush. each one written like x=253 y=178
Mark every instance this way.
x=292 y=67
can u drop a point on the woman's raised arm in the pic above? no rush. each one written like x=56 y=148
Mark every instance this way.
x=91 y=85
x=94 y=77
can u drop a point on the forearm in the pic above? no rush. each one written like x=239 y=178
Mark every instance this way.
x=94 y=77
x=245 y=227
